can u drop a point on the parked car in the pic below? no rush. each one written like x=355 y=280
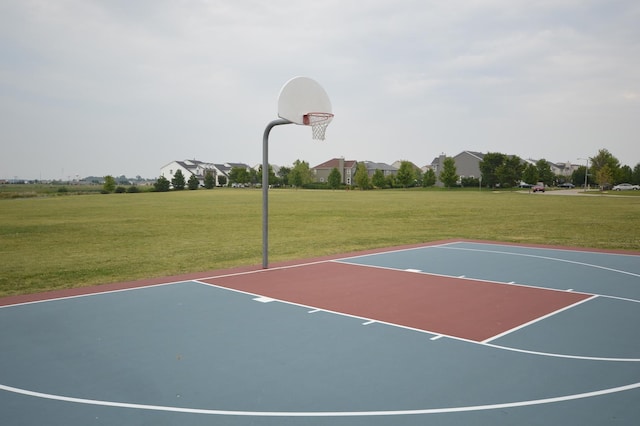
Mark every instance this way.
x=626 y=187
x=538 y=188
x=566 y=185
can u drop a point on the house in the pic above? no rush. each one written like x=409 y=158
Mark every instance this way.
x=347 y=169
x=558 y=169
x=225 y=169
x=564 y=169
x=199 y=169
x=188 y=168
x=386 y=169
x=467 y=164
x=398 y=163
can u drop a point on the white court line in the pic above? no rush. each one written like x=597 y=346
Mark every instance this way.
x=264 y=299
x=97 y=293
x=369 y=322
x=528 y=247
x=555 y=259
x=527 y=324
x=322 y=413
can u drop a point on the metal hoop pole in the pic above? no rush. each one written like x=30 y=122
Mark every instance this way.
x=265 y=189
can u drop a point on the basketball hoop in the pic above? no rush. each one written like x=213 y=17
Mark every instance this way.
x=318 y=122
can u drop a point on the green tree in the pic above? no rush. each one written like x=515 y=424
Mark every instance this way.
x=635 y=176
x=193 y=182
x=419 y=176
x=162 y=184
x=300 y=174
x=406 y=175
x=530 y=174
x=109 y=184
x=578 y=176
x=362 y=177
x=390 y=181
x=469 y=181
x=222 y=180
x=509 y=173
x=488 y=166
x=334 y=179
x=604 y=158
x=429 y=179
x=448 y=174
x=378 y=179
x=545 y=174
x=178 y=181
x=604 y=176
x=209 y=179
x=272 y=178
x=625 y=174
x=284 y=175
x=239 y=175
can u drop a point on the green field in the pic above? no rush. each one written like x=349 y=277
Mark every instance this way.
x=70 y=241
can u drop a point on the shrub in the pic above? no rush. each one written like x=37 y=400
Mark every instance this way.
x=121 y=190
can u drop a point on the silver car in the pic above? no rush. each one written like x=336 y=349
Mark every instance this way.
x=625 y=187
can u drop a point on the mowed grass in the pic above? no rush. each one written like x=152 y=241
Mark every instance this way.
x=62 y=242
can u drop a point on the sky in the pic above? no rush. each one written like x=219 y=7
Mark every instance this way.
x=119 y=87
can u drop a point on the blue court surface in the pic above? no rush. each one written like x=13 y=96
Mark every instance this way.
x=198 y=352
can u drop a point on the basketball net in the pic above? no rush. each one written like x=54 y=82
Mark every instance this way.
x=318 y=122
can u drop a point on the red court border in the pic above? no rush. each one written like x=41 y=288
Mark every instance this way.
x=80 y=291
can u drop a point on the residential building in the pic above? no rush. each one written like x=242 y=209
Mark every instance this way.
x=467 y=164
x=188 y=168
x=386 y=169
x=199 y=169
x=347 y=169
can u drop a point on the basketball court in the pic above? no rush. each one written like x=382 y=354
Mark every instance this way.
x=447 y=333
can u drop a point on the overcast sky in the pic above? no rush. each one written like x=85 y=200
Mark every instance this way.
x=96 y=87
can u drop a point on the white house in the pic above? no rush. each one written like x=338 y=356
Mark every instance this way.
x=199 y=169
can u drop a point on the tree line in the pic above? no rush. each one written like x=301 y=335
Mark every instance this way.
x=605 y=170
x=496 y=170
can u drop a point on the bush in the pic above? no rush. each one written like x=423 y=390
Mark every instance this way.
x=133 y=189
x=162 y=184
x=121 y=190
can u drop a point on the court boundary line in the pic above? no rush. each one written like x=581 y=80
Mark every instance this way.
x=373 y=413
x=554 y=259
x=97 y=293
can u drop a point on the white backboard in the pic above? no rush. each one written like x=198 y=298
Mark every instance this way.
x=299 y=96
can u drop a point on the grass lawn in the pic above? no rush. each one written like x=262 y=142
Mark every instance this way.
x=70 y=241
